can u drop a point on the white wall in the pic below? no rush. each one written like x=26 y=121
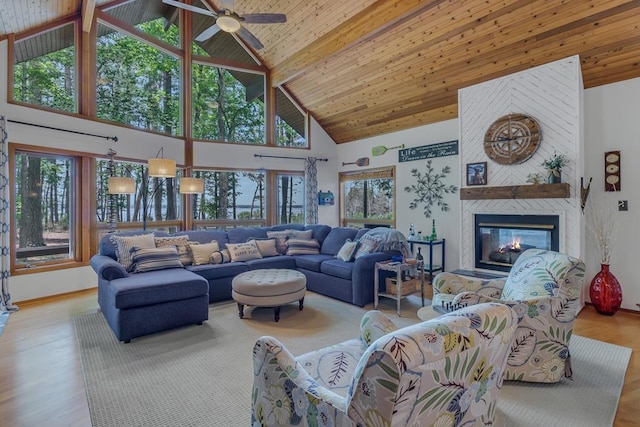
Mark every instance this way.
x=611 y=117
x=135 y=144
x=447 y=223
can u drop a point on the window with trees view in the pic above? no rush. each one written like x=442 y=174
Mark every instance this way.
x=44 y=208
x=291 y=123
x=368 y=197
x=228 y=105
x=137 y=83
x=230 y=196
x=44 y=71
x=156 y=199
x=290 y=199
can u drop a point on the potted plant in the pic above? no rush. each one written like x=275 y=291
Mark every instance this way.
x=554 y=167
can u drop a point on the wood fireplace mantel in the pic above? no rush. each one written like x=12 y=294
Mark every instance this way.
x=531 y=191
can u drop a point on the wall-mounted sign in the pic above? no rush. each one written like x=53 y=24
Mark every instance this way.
x=441 y=149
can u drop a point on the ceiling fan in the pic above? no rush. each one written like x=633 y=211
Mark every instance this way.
x=227 y=19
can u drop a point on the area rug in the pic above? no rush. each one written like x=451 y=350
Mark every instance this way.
x=202 y=375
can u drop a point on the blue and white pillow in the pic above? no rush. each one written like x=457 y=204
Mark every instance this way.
x=303 y=247
x=150 y=259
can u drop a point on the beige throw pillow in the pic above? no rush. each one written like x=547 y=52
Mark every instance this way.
x=266 y=247
x=202 y=253
x=181 y=244
x=243 y=251
x=347 y=251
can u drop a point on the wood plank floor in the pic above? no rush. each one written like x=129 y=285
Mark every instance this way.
x=41 y=381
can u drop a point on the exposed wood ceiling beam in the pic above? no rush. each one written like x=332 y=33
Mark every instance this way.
x=88 y=10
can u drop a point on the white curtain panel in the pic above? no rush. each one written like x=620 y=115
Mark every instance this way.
x=5 y=261
x=311 y=191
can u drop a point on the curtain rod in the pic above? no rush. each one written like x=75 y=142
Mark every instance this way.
x=113 y=138
x=288 y=157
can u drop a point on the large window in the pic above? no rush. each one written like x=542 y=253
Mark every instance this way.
x=44 y=208
x=228 y=105
x=368 y=198
x=137 y=83
x=230 y=197
x=44 y=71
x=290 y=199
x=291 y=122
x=155 y=199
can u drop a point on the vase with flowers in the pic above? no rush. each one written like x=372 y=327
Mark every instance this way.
x=605 y=291
x=554 y=167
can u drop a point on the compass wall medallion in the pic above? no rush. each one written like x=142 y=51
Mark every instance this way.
x=512 y=139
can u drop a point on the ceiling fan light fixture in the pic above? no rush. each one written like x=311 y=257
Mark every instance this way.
x=228 y=23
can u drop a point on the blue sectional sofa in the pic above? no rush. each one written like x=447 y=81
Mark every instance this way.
x=137 y=304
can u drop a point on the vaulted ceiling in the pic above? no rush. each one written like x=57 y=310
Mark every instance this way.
x=367 y=67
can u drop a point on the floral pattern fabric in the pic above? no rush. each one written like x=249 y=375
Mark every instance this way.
x=544 y=289
x=444 y=372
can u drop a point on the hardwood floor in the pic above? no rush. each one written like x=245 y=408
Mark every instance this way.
x=41 y=381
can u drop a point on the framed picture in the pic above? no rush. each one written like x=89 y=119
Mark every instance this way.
x=477 y=173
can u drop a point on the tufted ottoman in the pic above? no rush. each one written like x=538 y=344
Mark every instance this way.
x=268 y=288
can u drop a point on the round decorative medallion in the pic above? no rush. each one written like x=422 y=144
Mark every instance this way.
x=512 y=139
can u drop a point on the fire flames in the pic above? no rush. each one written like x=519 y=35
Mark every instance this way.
x=513 y=246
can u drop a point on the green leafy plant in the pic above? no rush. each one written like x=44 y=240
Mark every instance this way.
x=556 y=163
x=430 y=189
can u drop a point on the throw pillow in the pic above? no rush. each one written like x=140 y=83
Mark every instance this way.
x=220 y=257
x=347 y=251
x=180 y=243
x=302 y=247
x=202 y=253
x=243 y=251
x=367 y=245
x=281 y=239
x=184 y=253
x=150 y=259
x=124 y=244
x=171 y=241
x=299 y=234
x=267 y=247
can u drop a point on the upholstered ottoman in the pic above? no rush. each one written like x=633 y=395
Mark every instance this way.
x=268 y=288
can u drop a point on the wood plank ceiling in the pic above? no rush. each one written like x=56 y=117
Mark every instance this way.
x=365 y=67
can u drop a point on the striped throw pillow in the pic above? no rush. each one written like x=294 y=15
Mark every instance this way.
x=303 y=247
x=150 y=259
x=180 y=243
x=124 y=244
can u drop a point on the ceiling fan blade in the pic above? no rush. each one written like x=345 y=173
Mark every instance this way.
x=208 y=33
x=226 y=4
x=189 y=7
x=264 y=18
x=250 y=38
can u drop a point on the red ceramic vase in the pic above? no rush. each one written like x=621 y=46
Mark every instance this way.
x=605 y=291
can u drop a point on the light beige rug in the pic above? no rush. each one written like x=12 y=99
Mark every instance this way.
x=202 y=375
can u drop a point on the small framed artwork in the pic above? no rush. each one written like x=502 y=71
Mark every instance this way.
x=477 y=173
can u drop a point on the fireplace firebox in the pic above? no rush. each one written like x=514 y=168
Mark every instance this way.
x=500 y=239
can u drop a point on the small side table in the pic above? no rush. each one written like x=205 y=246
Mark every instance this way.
x=398 y=268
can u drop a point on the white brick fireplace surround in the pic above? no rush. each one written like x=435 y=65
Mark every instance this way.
x=552 y=94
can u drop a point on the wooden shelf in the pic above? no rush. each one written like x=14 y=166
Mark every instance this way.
x=531 y=191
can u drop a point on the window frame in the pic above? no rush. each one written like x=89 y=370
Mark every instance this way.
x=388 y=172
x=80 y=233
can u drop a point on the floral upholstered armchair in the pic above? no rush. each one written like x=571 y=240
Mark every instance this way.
x=544 y=288
x=446 y=371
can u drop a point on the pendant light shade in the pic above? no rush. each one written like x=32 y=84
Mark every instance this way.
x=162 y=168
x=190 y=185
x=121 y=185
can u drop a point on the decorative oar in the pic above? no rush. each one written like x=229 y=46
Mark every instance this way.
x=381 y=149
x=362 y=161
